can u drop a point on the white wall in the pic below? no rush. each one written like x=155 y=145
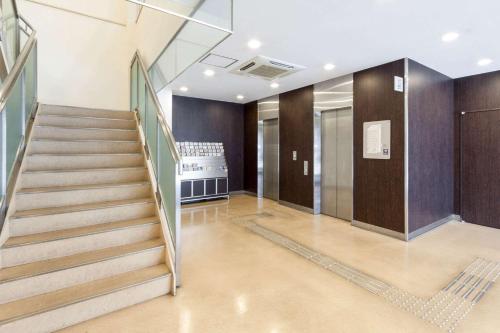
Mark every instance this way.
x=155 y=29
x=83 y=60
x=165 y=99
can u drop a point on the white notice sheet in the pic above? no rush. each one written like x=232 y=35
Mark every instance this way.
x=374 y=139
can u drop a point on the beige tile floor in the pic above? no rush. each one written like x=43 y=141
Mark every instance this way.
x=237 y=281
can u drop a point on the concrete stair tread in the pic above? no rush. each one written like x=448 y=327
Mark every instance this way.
x=82 y=140
x=79 y=187
x=78 y=208
x=62 y=109
x=76 y=232
x=85 y=117
x=53 y=300
x=84 y=170
x=56 y=127
x=52 y=265
x=84 y=154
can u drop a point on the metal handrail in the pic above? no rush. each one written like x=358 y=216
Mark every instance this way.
x=25 y=22
x=11 y=79
x=159 y=111
x=184 y=17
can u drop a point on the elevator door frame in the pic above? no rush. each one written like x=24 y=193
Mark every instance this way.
x=260 y=157
x=318 y=157
x=277 y=188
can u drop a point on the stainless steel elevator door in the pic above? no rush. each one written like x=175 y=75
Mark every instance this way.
x=271 y=159
x=336 y=163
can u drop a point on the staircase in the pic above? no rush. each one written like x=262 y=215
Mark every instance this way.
x=83 y=236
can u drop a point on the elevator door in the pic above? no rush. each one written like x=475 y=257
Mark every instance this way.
x=480 y=181
x=336 y=163
x=271 y=159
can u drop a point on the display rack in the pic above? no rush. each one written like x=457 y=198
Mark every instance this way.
x=204 y=171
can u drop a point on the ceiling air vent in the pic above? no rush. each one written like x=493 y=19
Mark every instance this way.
x=266 y=68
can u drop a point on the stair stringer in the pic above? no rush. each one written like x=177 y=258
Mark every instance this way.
x=165 y=228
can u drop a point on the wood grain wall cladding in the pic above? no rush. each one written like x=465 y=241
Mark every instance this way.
x=480 y=168
x=430 y=146
x=478 y=92
x=379 y=184
x=204 y=120
x=250 y=147
x=472 y=93
x=296 y=134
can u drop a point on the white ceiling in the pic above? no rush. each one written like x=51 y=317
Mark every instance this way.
x=352 y=34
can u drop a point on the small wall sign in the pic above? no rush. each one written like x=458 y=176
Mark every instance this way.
x=399 y=84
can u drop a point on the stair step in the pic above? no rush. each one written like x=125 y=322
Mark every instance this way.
x=75 y=232
x=47 y=266
x=77 y=187
x=84 y=121
x=76 y=208
x=56 y=300
x=83 y=161
x=60 y=196
x=25 y=249
x=82 y=111
x=61 y=132
x=74 y=177
x=40 y=277
x=60 y=218
x=50 y=146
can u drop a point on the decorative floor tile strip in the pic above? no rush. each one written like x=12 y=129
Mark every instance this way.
x=446 y=309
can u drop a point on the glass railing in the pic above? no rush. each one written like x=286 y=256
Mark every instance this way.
x=10 y=32
x=211 y=22
x=163 y=155
x=18 y=99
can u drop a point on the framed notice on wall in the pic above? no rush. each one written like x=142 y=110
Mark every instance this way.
x=377 y=139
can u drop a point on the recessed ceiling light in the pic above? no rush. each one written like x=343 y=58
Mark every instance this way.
x=209 y=72
x=275 y=85
x=240 y=97
x=329 y=67
x=183 y=88
x=484 y=62
x=450 y=37
x=254 y=44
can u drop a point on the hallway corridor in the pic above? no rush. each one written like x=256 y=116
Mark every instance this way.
x=238 y=281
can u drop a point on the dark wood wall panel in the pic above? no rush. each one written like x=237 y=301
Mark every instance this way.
x=478 y=92
x=430 y=146
x=250 y=147
x=296 y=134
x=480 y=168
x=472 y=94
x=379 y=184
x=197 y=119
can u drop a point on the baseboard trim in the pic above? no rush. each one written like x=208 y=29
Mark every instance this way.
x=297 y=207
x=243 y=192
x=412 y=235
x=380 y=230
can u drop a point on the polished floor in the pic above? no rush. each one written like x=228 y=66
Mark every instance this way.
x=235 y=280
